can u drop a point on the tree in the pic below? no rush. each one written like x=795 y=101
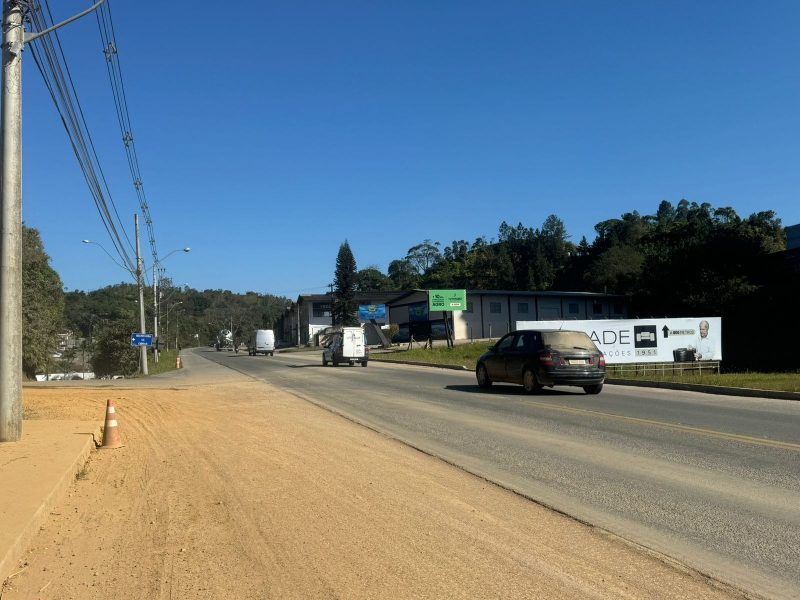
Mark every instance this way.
x=423 y=256
x=345 y=308
x=372 y=280
x=113 y=353
x=42 y=304
x=403 y=275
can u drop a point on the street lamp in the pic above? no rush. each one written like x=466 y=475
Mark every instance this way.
x=155 y=294
x=138 y=275
x=166 y=316
x=115 y=261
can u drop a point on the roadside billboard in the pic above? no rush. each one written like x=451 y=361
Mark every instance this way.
x=447 y=300
x=647 y=340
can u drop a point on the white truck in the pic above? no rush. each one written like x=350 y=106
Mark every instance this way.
x=224 y=340
x=347 y=345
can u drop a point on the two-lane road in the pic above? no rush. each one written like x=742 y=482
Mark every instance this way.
x=713 y=481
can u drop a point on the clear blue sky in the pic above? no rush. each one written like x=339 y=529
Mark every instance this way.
x=270 y=132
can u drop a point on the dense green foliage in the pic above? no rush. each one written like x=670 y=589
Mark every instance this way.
x=345 y=282
x=112 y=353
x=188 y=317
x=42 y=306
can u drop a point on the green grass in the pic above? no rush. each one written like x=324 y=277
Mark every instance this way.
x=166 y=362
x=462 y=354
x=467 y=355
x=785 y=382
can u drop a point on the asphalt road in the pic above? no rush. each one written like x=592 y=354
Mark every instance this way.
x=712 y=481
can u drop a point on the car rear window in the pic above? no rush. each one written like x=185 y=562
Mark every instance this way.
x=567 y=339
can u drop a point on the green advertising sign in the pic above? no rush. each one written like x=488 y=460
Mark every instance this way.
x=447 y=300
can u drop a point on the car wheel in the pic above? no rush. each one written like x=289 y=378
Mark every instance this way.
x=483 y=377
x=529 y=382
x=364 y=364
x=593 y=389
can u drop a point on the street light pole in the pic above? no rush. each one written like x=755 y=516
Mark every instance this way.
x=156 y=277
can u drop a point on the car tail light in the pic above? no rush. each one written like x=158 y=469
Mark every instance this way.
x=601 y=362
x=366 y=349
x=546 y=359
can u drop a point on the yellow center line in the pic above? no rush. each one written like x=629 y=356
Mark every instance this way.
x=674 y=426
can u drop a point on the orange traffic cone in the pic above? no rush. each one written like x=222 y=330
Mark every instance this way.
x=111 y=437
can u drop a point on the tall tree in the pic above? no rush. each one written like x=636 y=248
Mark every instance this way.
x=404 y=276
x=423 y=256
x=372 y=280
x=345 y=308
x=42 y=304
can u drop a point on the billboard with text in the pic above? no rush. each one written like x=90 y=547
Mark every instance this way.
x=648 y=340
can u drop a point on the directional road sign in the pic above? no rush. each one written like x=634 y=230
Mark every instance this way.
x=142 y=339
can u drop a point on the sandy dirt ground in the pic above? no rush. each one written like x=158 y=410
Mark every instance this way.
x=239 y=490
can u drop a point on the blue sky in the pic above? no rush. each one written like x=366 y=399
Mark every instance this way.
x=269 y=132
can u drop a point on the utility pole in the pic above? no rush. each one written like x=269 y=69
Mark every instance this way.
x=140 y=281
x=11 y=227
x=155 y=310
x=14 y=39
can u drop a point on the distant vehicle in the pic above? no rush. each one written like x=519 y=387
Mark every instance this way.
x=224 y=340
x=262 y=341
x=346 y=346
x=537 y=358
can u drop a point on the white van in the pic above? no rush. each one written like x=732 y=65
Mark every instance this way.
x=346 y=346
x=262 y=341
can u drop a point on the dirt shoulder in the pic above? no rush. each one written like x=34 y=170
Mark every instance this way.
x=239 y=490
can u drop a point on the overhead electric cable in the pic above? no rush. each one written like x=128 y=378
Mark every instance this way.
x=106 y=26
x=49 y=57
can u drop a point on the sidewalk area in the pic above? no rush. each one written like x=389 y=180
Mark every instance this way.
x=37 y=471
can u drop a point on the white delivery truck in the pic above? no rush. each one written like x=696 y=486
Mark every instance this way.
x=262 y=341
x=349 y=345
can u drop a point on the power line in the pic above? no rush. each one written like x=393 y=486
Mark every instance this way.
x=48 y=55
x=105 y=24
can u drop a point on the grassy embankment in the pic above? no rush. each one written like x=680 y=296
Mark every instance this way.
x=467 y=355
x=166 y=362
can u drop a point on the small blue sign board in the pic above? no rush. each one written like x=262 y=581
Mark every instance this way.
x=371 y=311
x=142 y=339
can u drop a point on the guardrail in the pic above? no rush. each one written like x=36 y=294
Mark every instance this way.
x=670 y=368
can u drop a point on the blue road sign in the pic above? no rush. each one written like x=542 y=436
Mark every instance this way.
x=142 y=339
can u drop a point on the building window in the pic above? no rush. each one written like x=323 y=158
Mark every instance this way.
x=322 y=309
x=495 y=308
x=597 y=307
x=574 y=309
x=522 y=307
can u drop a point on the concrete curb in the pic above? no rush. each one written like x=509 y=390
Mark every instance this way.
x=708 y=389
x=421 y=364
x=688 y=387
